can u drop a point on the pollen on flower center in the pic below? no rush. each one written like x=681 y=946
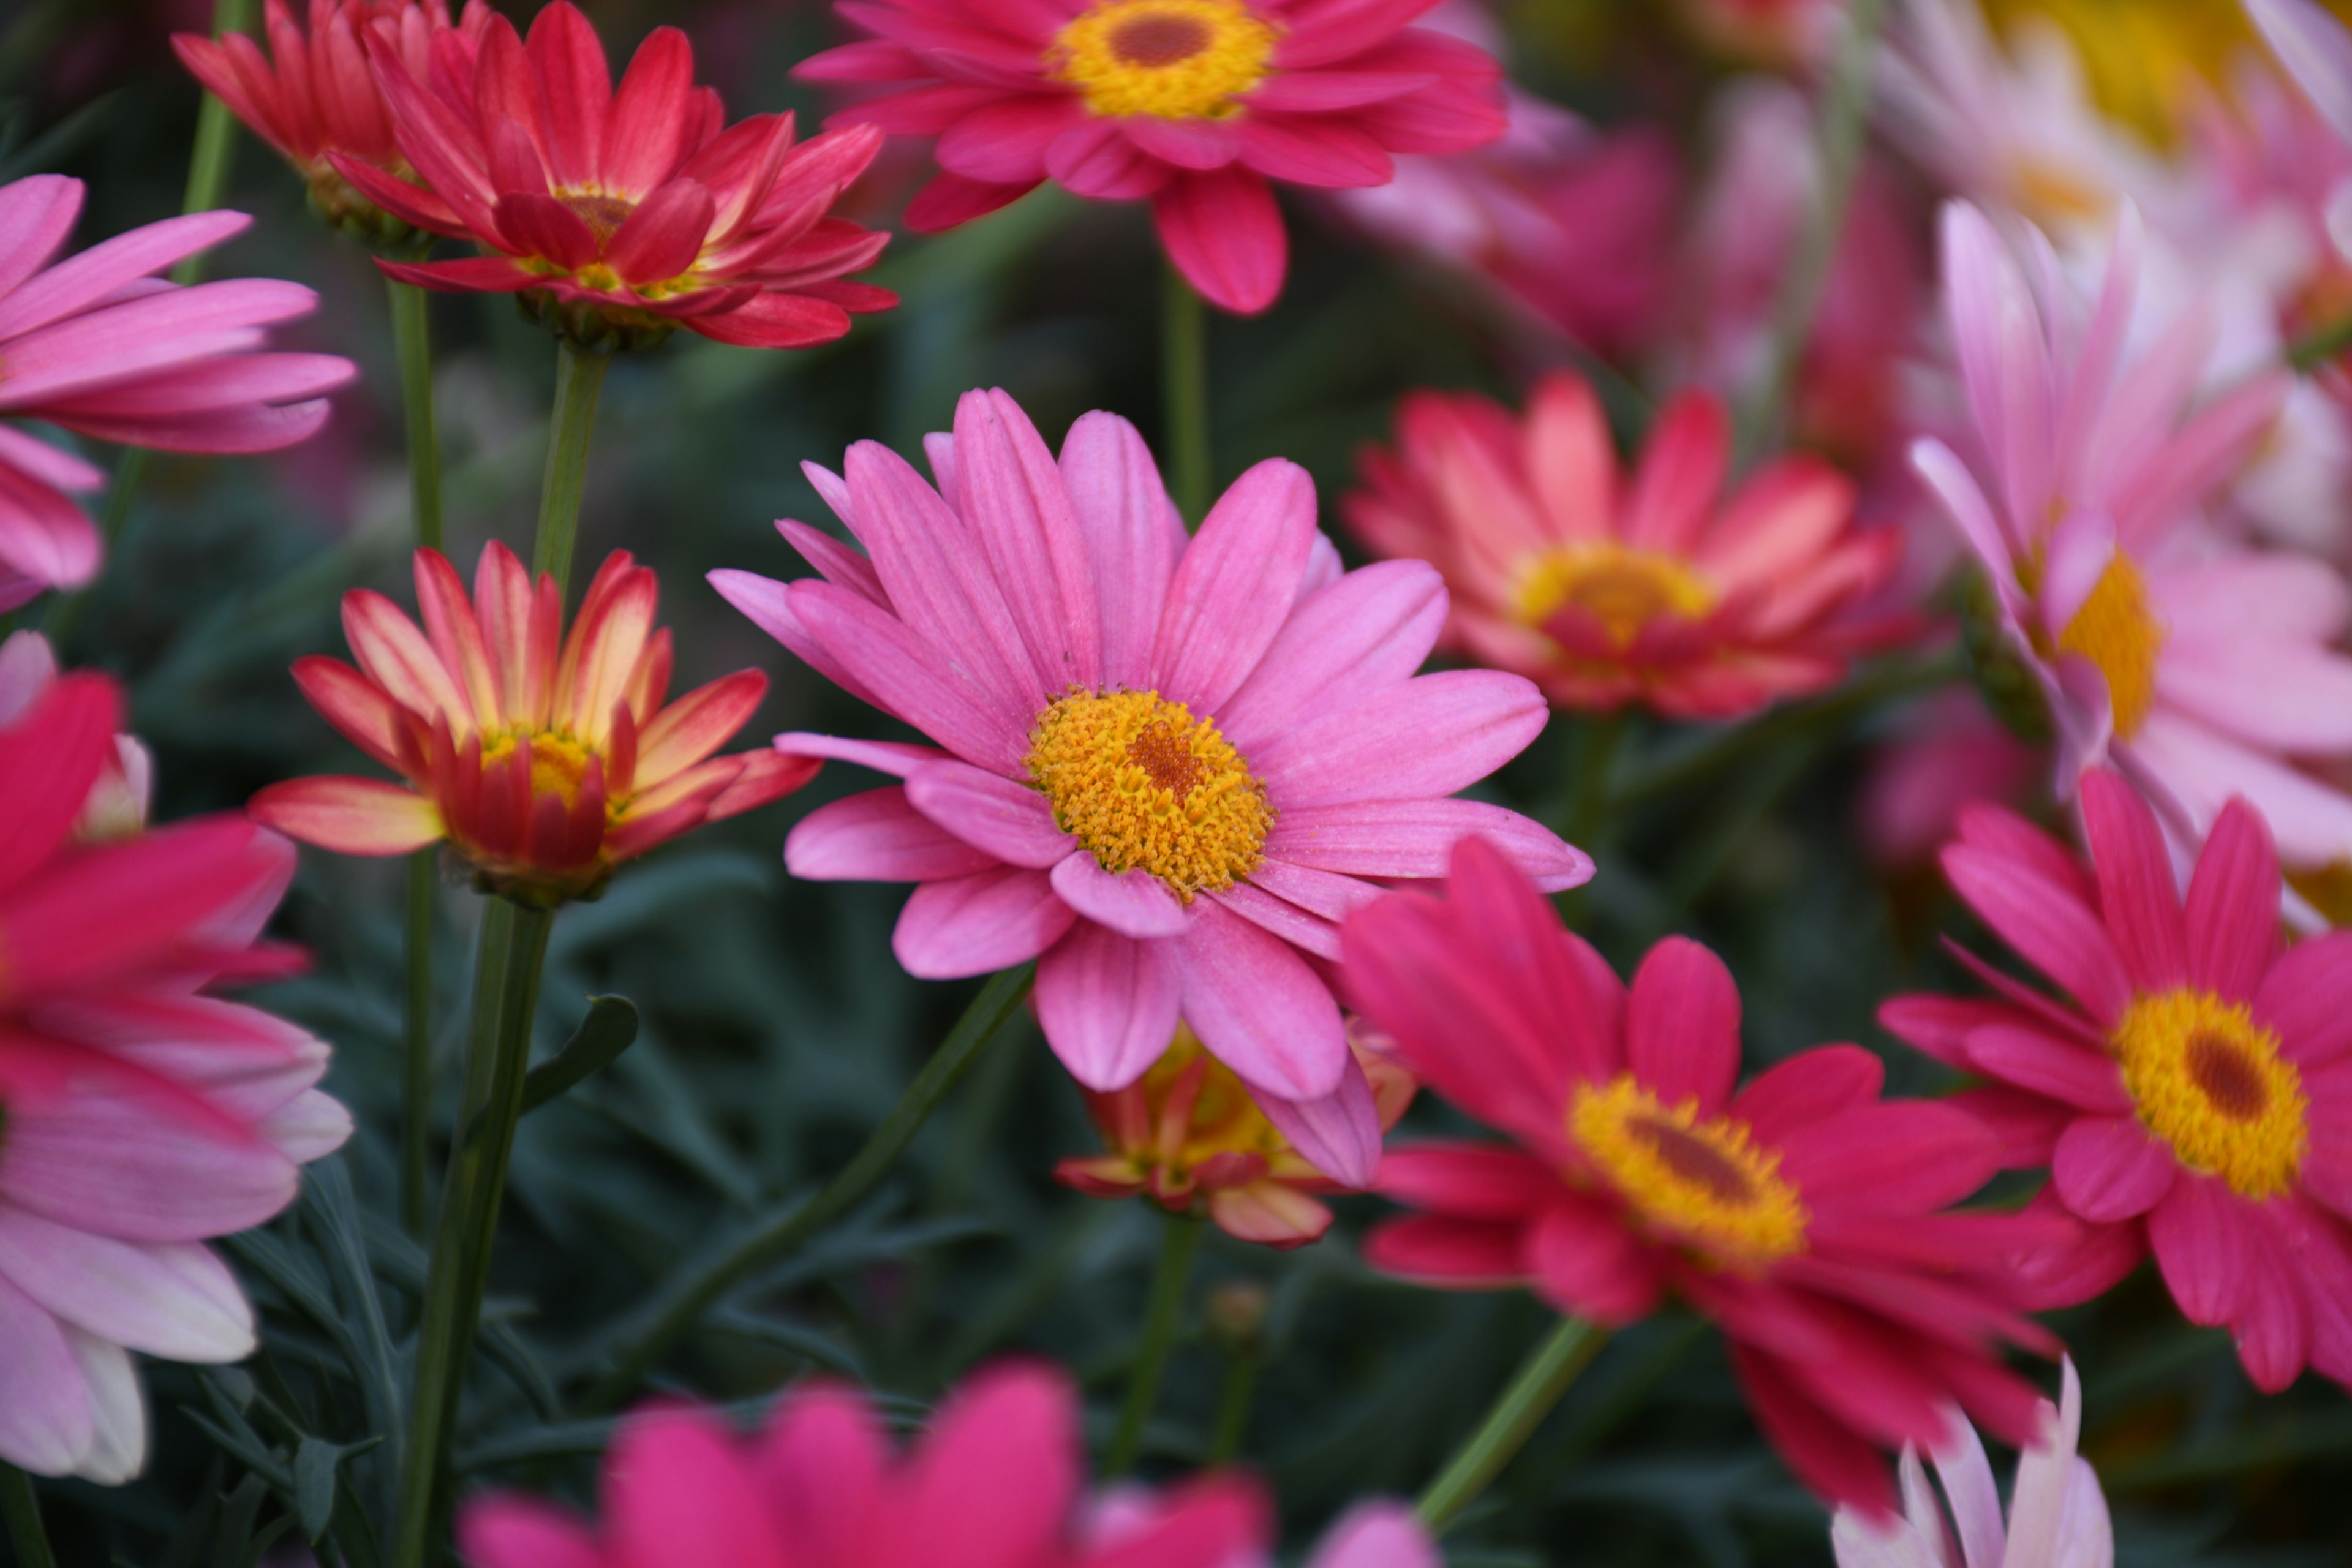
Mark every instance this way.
x=602 y=213
x=558 y=763
x=2117 y=630
x=1698 y=1177
x=2210 y=1081
x=1222 y=1120
x=1175 y=59
x=1139 y=782
x=1623 y=589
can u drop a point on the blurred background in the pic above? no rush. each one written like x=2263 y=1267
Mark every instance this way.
x=778 y=1030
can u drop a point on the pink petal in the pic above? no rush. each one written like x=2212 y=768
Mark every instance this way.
x=1011 y=822
x=1258 y=1008
x=1011 y=495
x=2049 y=929
x=507 y=1530
x=2306 y=997
x=676 y=1488
x=1682 y=1027
x=896 y=758
x=887 y=658
x=2232 y=909
x=350 y=816
x=2137 y=895
x=663 y=237
x=1680 y=474
x=2065 y=1070
x=993 y=1483
x=2199 y=1235
x=1234 y=586
x=1449 y=1253
x=1365 y=633
x=1583 y=1261
x=1135 y=903
x=1339 y=1134
x=2109 y=1169
x=2273 y=1325
x=36 y=213
x=1901 y=1156
x=822 y=1464
x=172 y=1299
x=1807 y=1087
x=877 y=836
x=1223 y=233
x=1123 y=512
x=46 y=1419
x=1108 y=1003
x=1431 y=736
x=980 y=923
x=84 y=281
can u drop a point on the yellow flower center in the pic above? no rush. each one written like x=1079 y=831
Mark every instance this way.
x=1698 y=1177
x=2210 y=1081
x=1623 y=589
x=2054 y=195
x=1224 y=1119
x=1141 y=783
x=602 y=213
x=1177 y=59
x=558 y=763
x=2117 y=630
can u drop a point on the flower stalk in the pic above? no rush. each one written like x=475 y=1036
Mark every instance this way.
x=701 y=1287
x=1184 y=389
x=1513 y=1418
x=579 y=378
x=28 y=1537
x=513 y=949
x=1179 y=1244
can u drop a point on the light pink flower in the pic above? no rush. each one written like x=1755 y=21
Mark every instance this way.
x=1171 y=764
x=139 y=1117
x=2201 y=670
x=101 y=346
x=2057 y=1515
x=997 y=1478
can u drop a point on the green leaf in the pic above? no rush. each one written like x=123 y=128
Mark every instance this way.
x=314 y=1485
x=610 y=1028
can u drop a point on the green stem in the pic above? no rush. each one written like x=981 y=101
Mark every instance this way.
x=1233 y=1407
x=22 y=1507
x=208 y=167
x=699 y=1287
x=1185 y=388
x=1179 y=1244
x=579 y=377
x=512 y=951
x=412 y=340
x=1845 y=116
x=417 y=1111
x=2319 y=345
x=1512 y=1420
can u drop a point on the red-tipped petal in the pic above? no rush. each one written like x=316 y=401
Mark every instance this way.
x=350 y=816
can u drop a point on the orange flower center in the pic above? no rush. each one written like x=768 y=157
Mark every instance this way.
x=1139 y=782
x=1700 y=1178
x=2117 y=630
x=1175 y=59
x=558 y=763
x=1622 y=589
x=2210 y=1082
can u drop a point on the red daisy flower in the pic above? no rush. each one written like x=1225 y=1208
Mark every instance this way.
x=619 y=214
x=1194 y=104
x=1804 y=1215
x=2192 y=1096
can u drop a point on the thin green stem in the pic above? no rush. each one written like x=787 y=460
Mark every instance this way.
x=699 y=1287
x=513 y=949
x=1179 y=1244
x=1185 y=388
x=1512 y=1420
x=208 y=167
x=27 y=1534
x=579 y=377
x=412 y=341
x=1233 y=1406
x=416 y=1111
x=1844 y=115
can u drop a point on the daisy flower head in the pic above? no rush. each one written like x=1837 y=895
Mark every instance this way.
x=310 y=94
x=1808 y=1218
x=2057 y=1514
x=618 y=214
x=1188 y=1134
x=99 y=346
x=544 y=761
x=2203 y=670
x=998 y=1477
x=140 y=1116
x=1199 y=106
x=1648 y=589
x=2190 y=1090
x=1164 y=766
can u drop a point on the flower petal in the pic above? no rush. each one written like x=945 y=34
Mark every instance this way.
x=350 y=816
x=1108 y=1003
x=1258 y=1008
x=977 y=925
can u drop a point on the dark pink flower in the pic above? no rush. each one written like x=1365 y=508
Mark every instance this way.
x=1198 y=106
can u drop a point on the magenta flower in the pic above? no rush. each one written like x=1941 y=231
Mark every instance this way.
x=997 y=1478
x=1198 y=106
x=1171 y=764
x=138 y=1116
x=2190 y=1093
x=101 y=346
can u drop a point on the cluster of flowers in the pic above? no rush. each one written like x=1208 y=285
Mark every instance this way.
x=1198 y=777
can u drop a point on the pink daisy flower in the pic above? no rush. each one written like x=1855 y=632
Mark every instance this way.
x=311 y=94
x=139 y=1117
x=2203 y=671
x=1198 y=106
x=998 y=1477
x=617 y=213
x=99 y=346
x=2191 y=1093
x=1802 y=1216
x=2057 y=1515
x=1170 y=763
x=1649 y=588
